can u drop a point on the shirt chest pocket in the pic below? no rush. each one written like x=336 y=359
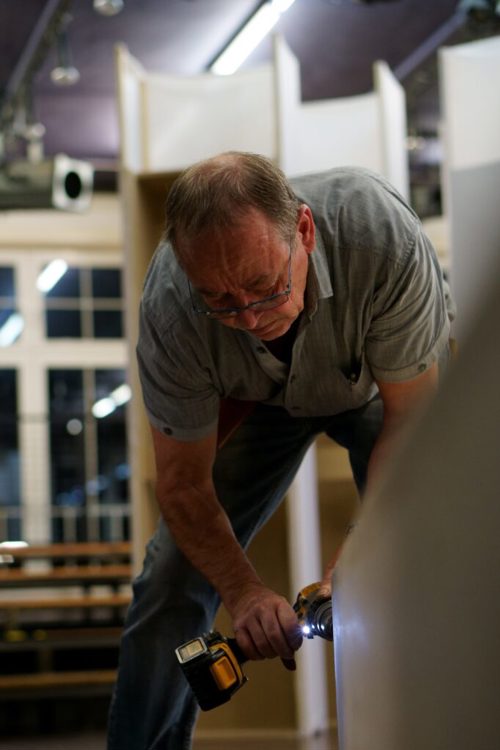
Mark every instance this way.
x=328 y=390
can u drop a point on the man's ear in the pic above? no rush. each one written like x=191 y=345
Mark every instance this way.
x=306 y=228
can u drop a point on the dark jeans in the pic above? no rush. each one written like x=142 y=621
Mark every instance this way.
x=152 y=707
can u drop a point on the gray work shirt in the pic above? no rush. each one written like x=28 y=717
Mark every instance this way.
x=376 y=309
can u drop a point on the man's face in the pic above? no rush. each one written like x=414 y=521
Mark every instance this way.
x=249 y=261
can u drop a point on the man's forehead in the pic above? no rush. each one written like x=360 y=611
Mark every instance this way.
x=244 y=246
x=246 y=264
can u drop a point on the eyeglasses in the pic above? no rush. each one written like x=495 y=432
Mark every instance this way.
x=266 y=303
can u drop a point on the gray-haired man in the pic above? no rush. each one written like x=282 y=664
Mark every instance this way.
x=315 y=305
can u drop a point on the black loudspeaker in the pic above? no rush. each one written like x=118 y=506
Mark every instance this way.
x=58 y=182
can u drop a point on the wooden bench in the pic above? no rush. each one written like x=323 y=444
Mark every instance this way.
x=38 y=626
x=67 y=575
x=11 y=610
x=60 y=637
x=73 y=602
x=55 y=684
x=98 y=550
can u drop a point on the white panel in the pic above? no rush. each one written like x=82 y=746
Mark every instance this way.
x=189 y=119
x=417 y=589
x=130 y=76
x=305 y=568
x=393 y=130
x=469 y=79
x=337 y=132
x=474 y=209
x=470 y=75
x=366 y=131
x=288 y=102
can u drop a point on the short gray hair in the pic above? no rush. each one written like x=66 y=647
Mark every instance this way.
x=215 y=193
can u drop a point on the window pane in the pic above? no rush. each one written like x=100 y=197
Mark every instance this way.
x=10 y=527
x=108 y=324
x=6 y=282
x=67 y=455
x=112 y=442
x=67 y=286
x=5 y=313
x=63 y=324
x=106 y=282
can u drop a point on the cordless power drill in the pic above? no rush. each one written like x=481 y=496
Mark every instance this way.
x=212 y=663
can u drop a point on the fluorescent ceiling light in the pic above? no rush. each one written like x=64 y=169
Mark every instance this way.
x=11 y=329
x=106 y=406
x=122 y=394
x=254 y=31
x=103 y=407
x=51 y=275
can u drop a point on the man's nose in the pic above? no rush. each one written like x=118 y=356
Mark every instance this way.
x=248 y=319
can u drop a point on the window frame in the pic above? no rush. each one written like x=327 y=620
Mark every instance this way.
x=32 y=355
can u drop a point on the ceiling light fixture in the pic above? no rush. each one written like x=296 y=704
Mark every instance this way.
x=108 y=7
x=51 y=274
x=11 y=329
x=107 y=405
x=247 y=39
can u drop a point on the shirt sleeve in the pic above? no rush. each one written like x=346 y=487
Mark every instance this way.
x=409 y=326
x=179 y=397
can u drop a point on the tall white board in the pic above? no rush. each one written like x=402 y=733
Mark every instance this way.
x=417 y=590
x=470 y=88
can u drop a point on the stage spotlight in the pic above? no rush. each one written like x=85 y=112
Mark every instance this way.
x=59 y=182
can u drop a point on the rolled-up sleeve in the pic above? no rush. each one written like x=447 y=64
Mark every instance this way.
x=410 y=325
x=180 y=400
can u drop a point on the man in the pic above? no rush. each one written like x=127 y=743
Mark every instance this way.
x=316 y=306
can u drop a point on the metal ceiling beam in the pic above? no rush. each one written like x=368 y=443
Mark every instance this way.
x=430 y=45
x=53 y=17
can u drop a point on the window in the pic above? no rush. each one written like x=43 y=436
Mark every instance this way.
x=85 y=303
x=88 y=453
x=10 y=493
x=64 y=472
x=11 y=323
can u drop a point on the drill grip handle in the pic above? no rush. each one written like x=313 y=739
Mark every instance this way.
x=233 y=645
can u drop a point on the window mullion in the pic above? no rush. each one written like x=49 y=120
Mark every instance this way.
x=91 y=459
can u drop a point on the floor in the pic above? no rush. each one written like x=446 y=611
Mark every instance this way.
x=98 y=742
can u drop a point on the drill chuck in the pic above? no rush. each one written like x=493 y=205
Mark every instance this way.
x=314 y=612
x=320 y=622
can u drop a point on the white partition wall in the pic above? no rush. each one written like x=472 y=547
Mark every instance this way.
x=131 y=77
x=368 y=130
x=470 y=87
x=192 y=119
x=170 y=122
x=392 y=127
x=417 y=588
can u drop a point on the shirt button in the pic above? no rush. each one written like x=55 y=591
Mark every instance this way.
x=167 y=430
x=422 y=367
x=261 y=349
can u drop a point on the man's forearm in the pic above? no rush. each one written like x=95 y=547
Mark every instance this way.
x=204 y=534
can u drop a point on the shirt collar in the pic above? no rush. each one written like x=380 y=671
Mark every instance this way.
x=319 y=285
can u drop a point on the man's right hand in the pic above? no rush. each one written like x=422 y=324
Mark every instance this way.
x=265 y=625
